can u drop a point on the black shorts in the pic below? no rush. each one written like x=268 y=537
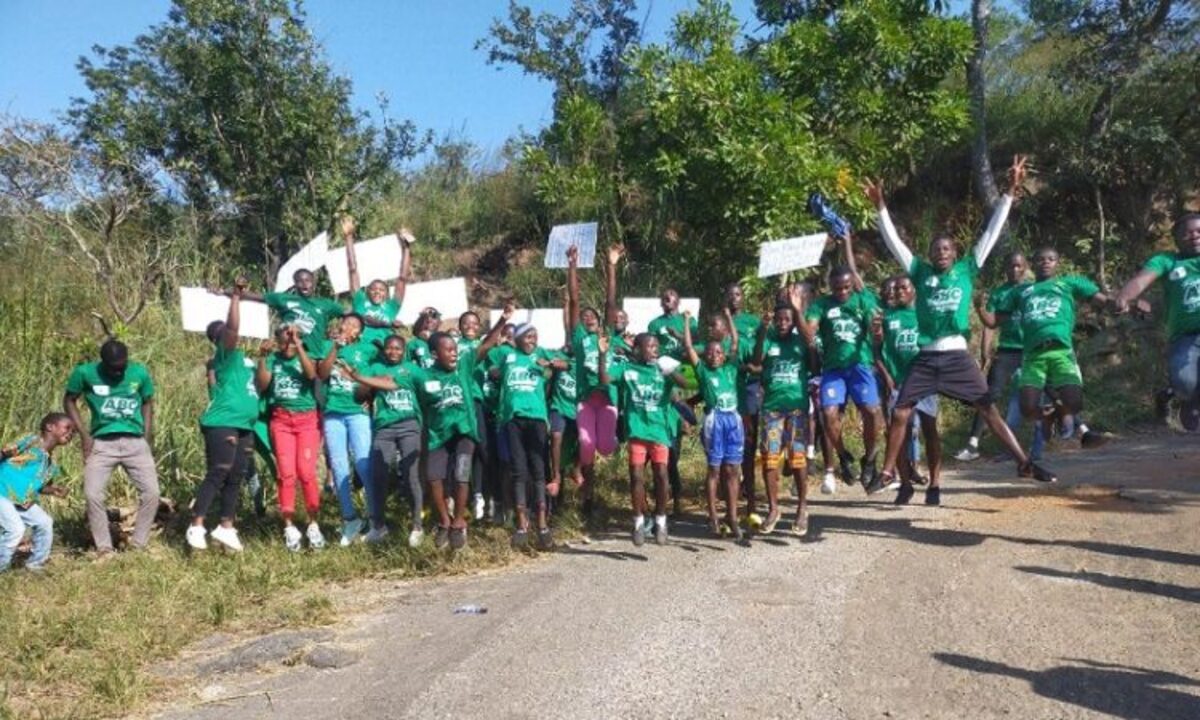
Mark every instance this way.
x=451 y=461
x=953 y=373
x=560 y=423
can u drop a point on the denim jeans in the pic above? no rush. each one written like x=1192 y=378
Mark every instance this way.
x=347 y=435
x=13 y=522
x=1183 y=366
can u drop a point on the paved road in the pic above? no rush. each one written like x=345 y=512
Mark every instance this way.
x=1011 y=601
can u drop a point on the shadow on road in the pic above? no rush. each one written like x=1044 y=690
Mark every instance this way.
x=610 y=554
x=905 y=529
x=1118 y=582
x=1118 y=690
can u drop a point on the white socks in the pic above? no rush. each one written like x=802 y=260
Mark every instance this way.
x=637 y=522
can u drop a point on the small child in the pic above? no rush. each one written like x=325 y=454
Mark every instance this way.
x=723 y=434
x=26 y=471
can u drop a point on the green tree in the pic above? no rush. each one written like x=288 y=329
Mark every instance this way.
x=232 y=106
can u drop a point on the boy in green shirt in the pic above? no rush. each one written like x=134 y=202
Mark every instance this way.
x=1180 y=273
x=120 y=396
x=749 y=383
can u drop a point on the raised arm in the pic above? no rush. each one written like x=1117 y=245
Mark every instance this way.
x=568 y=328
x=229 y=339
x=850 y=263
x=1133 y=289
x=262 y=376
x=891 y=238
x=991 y=234
x=615 y=252
x=573 y=284
x=401 y=288
x=692 y=358
x=734 y=340
x=493 y=337
x=799 y=307
x=348 y=230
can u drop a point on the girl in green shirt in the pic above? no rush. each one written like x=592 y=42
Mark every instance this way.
x=378 y=312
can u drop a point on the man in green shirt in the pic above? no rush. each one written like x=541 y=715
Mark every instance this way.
x=944 y=366
x=668 y=327
x=1180 y=272
x=1047 y=308
x=119 y=395
x=300 y=308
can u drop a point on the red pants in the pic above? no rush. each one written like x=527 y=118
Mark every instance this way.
x=296 y=440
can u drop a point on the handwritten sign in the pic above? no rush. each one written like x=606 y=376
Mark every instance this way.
x=581 y=235
x=199 y=307
x=311 y=257
x=548 y=321
x=642 y=310
x=378 y=259
x=780 y=256
x=448 y=296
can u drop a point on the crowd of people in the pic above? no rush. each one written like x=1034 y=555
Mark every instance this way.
x=485 y=423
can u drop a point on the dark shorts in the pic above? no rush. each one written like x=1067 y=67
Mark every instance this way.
x=451 y=461
x=750 y=403
x=953 y=373
x=560 y=423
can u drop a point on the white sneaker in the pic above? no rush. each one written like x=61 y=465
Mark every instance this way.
x=377 y=534
x=315 y=539
x=351 y=529
x=228 y=537
x=829 y=484
x=479 y=506
x=291 y=538
x=415 y=537
x=195 y=537
x=967 y=454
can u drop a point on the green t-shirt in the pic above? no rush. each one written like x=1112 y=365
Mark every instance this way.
x=669 y=331
x=900 y=345
x=418 y=353
x=385 y=312
x=562 y=387
x=785 y=372
x=1181 y=276
x=309 y=315
x=447 y=400
x=523 y=386
x=489 y=386
x=844 y=328
x=586 y=348
x=115 y=409
x=645 y=398
x=289 y=389
x=1011 y=337
x=395 y=406
x=719 y=387
x=746 y=324
x=1048 y=309
x=339 y=394
x=233 y=399
x=944 y=299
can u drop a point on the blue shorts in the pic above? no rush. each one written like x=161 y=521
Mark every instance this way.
x=859 y=380
x=724 y=438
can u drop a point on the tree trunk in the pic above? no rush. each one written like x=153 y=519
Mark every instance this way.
x=981 y=163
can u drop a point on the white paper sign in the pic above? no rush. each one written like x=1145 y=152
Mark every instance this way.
x=780 y=256
x=449 y=297
x=642 y=310
x=311 y=257
x=548 y=321
x=668 y=364
x=581 y=235
x=378 y=259
x=199 y=307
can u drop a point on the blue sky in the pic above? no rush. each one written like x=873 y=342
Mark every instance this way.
x=420 y=53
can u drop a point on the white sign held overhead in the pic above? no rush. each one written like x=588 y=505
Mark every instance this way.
x=580 y=235
x=780 y=256
x=642 y=310
x=311 y=257
x=448 y=296
x=199 y=307
x=548 y=321
x=377 y=259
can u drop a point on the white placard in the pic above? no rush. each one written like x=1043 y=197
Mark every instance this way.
x=448 y=296
x=548 y=321
x=780 y=256
x=668 y=364
x=311 y=257
x=581 y=235
x=199 y=307
x=641 y=311
x=378 y=259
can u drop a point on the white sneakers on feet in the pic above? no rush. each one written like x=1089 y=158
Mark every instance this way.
x=292 y=537
x=967 y=454
x=415 y=537
x=351 y=529
x=315 y=539
x=829 y=484
x=479 y=506
x=377 y=534
x=228 y=537
x=195 y=537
